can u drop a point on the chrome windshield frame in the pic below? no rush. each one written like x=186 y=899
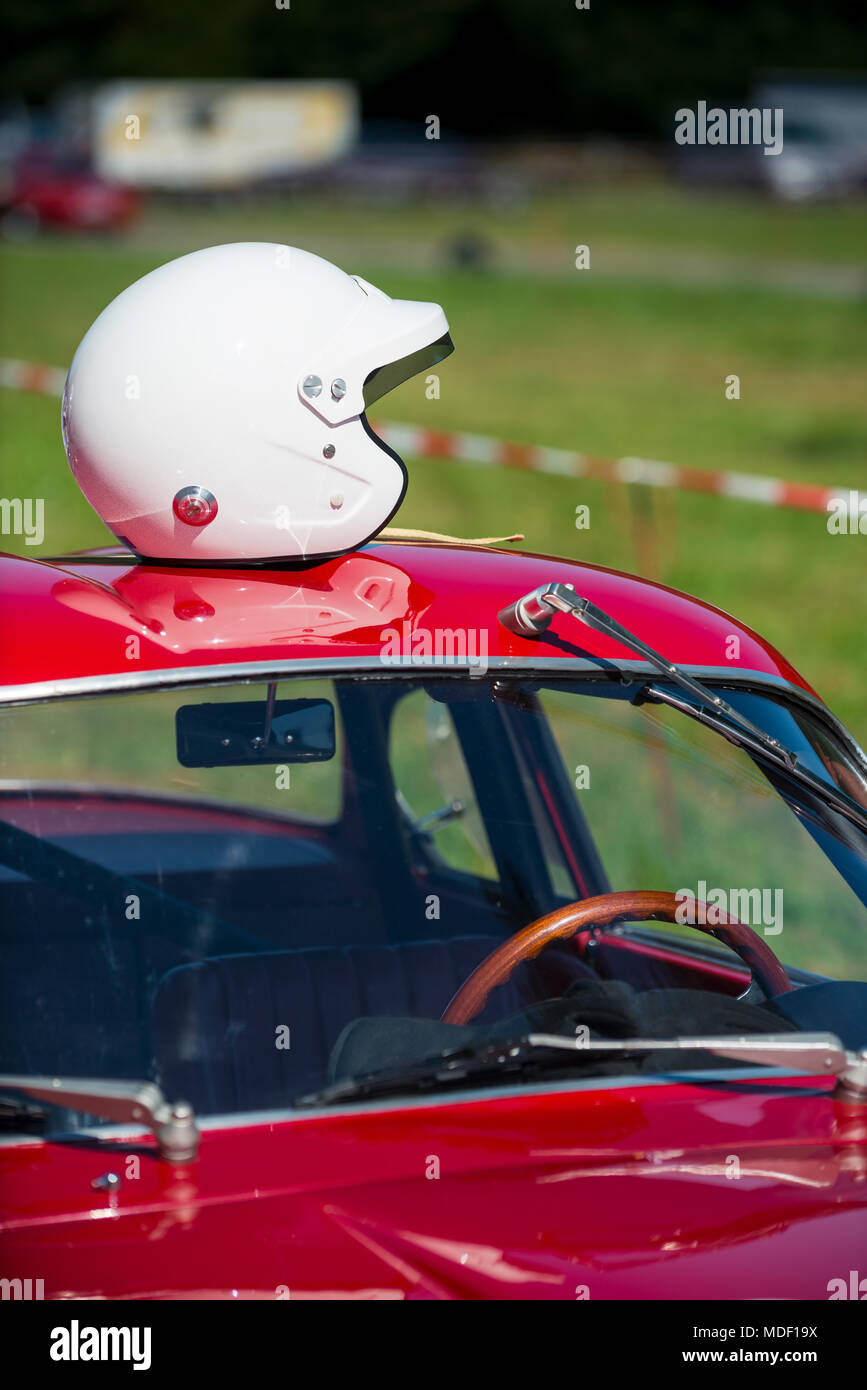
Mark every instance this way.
x=373 y=667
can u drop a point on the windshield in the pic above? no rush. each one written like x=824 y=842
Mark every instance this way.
x=246 y=892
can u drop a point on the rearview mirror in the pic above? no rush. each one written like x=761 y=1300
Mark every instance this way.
x=246 y=732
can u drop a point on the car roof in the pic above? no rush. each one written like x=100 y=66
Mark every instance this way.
x=74 y=617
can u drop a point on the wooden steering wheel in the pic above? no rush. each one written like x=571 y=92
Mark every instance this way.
x=601 y=911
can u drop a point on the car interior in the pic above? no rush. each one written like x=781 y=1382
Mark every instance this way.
x=242 y=958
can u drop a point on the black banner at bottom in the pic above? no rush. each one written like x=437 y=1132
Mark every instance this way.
x=233 y=1338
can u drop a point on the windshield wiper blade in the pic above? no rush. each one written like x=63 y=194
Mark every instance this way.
x=836 y=799
x=817 y=1054
x=141 y=1102
x=450 y=1067
x=532 y=615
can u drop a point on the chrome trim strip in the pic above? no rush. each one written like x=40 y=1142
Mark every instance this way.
x=503 y=1092
x=179 y=678
x=380 y=1104
x=121 y=681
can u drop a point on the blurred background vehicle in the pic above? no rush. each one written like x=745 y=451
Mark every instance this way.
x=57 y=189
x=825 y=150
x=204 y=135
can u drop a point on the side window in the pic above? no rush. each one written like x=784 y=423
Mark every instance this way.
x=431 y=777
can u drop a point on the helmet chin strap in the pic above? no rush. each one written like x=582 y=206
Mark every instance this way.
x=401 y=533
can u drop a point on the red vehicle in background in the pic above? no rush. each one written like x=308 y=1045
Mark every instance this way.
x=50 y=188
x=376 y=930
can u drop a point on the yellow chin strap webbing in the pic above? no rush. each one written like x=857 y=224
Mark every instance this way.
x=400 y=533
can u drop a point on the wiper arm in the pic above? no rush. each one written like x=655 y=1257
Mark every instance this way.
x=818 y=1054
x=174 y=1126
x=531 y=615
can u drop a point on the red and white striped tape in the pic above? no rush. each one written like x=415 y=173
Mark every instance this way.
x=483 y=451
x=28 y=376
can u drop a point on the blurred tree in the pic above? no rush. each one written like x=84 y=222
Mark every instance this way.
x=486 y=67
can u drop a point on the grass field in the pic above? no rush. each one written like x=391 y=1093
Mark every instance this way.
x=641 y=216
x=604 y=365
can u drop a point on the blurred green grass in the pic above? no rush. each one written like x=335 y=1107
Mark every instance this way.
x=643 y=214
x=603 y=366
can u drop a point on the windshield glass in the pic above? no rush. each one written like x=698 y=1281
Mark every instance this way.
x=245 y=892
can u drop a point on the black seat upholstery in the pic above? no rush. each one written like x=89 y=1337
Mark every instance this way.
x=214 y=1022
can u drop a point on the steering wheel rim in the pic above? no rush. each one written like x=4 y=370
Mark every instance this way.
x=600 y=911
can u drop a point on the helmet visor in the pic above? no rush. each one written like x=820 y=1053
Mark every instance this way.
x=384 y=379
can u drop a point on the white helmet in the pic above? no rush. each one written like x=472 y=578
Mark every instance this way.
x=215 y=410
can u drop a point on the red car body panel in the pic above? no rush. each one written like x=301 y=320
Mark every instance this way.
x=624 y=1192
x=70 y=618
x=551 y=1191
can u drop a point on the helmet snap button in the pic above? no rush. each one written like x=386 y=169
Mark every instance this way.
x=329 y=451
x=195 y=506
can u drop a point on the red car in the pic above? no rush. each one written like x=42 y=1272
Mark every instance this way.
x=53 y=190
x=434 y=922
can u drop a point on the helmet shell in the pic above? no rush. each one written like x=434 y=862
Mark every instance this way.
x=193 y=422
